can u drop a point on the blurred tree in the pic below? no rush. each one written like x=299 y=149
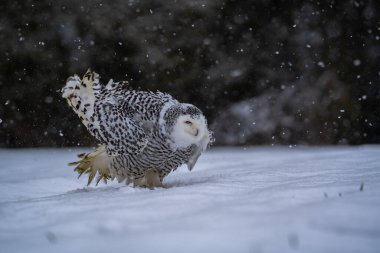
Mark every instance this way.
x=215 y=54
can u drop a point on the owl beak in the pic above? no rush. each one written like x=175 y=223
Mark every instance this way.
x=193 y=131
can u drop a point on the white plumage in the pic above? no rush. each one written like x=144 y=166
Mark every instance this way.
x=143 y=135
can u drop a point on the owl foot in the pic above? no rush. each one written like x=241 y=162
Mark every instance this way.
x=150 y=180
x=92 y=164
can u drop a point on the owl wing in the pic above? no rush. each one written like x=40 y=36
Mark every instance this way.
x=119 y=129
x=195 y=154
x=198 y=149
x=106 y=113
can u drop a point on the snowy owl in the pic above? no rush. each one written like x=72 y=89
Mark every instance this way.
x=143 y=135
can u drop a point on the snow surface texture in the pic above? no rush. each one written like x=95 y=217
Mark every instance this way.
x=235 y=200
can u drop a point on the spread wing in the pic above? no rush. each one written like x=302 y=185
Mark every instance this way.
x=106 y=113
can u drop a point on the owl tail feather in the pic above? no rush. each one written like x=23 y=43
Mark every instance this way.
x=94 y=163
x=81 y=94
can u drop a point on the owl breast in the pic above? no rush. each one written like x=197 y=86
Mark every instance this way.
x=157 y=156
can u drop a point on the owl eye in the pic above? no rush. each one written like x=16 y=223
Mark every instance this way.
x=188 y=122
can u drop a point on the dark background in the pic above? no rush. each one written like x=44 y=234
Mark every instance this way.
x=264 y=72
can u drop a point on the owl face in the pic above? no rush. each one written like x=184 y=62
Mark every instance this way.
x=186 y=126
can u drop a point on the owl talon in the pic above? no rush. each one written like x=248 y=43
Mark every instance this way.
x=151 y=180
x=103 y=176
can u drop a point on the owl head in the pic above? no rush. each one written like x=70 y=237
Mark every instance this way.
x=185 y=125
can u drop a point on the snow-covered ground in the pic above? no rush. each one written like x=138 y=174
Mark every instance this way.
x=235 y=200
